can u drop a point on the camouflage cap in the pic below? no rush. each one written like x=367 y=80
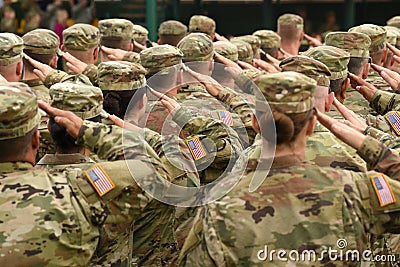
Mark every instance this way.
x=308 y=66
x=254 y=41
x=121 y=76
x=81 y=37
x=196 y=47
x=269 y=39
x=172 y=27
x=393 y=35
x=42 y=41
x=199 y=23
x=334 y=58
x=288 y=92
x=19 y=111
x=394 y=21
x=160 y=57
x=356 y=43
x=291 y=20
x=83 y=100
x=375 y=32
x=140 y=34
x=245 y=52
x=116 y=28
x=227 y=49
x=11 y=47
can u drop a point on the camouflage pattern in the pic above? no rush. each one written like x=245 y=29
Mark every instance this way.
x=335 y=58
x=83 y=100
x=19 y=112
x=291 y=20
x=120 y=76
x=116 y=28
x=356 y=43
x=290 y=91
x=376 y=80
x=226 y=49
x=308 y=66
x=245 y=53
x=156 y=58
x=172 y=27
x=81 y=37
x=375 y=32
x=41 y=91
x=393 y=35
x=269 y=39
x=57 y=76
x=11 y=47
x=383 y=102
x=42 y=41
x=394 y=21
x=140 y=34
x=357 y=103
x=200 y=23
x=253 y=40
x=196 y=47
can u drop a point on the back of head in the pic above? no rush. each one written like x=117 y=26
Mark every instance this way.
x=269 y=39
x=140 y=34
x=252 y=40
x=171 y=32
x=116 y=33
x=11 y=47
x=157 y=58
x=81 y=37
x=290 y=26
x=200 y=23
x=394 y=21
x=393 y=35
x=227 y=49
x=196 y=47
x=245 y=53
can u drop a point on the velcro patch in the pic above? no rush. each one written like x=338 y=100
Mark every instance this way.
x=393 y=118
x=383 y=190
x=196 y=148
x=99 y=179
x=225 y=117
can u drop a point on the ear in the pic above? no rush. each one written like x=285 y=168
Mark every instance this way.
x=343 y=89
x=329 y=101
x=62 y=47
x=131 y=47
x=35 y=140
x=365 y=71
x=255 y=124
x=158 y=41
x=301 y=36
x=384 y=55
x=53 y=62
x=96 y=53
x=18 y=68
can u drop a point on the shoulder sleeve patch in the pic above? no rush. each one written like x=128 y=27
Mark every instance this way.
x=383 y=190
x=393 y=118
x=99 y=179
x=225 y=117
x=196 y=148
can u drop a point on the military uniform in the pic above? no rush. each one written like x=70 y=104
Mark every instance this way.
x=140 y=34
x=253 y=40
x=226 y=49
x=204 y=24
x=171 y=32
x=269 y=39
x=245 y=53
x=291 y=22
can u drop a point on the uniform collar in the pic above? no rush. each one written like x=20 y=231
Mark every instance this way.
x=62 y=159
x=33 y=82
x=8 y=167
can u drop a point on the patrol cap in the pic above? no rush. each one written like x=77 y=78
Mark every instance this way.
x=253 y=40
x=356 y=43
x=375 y=32
x=393 y=35
x=200 y=23
x=308 y=66
x=292 y=20
x=120 y=76
x=394 y=21
x=42 y=41
x=140 y=33
x=85 y=101
x=172 y=27
x=122 y=28
x=226 y=49
x=245 y=53
x=19 y=113
x=160 y=57
x=196 y=47
x=334 y=58
x=11 y=47
x=81 y=37
x=269 y=39
x=289 y=92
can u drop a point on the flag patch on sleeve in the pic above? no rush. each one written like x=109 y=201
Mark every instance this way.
x=99 y=180
x=393 y=118
x=383 y=190
x=196 y=148
x=225 y=117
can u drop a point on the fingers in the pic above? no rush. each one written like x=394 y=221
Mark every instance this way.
x=106 y=49
x=139 y=46
x=52 y=112
x=377 y=67
x=39 y=74
x=117 y=121
x=394 y=50
x=391 y=81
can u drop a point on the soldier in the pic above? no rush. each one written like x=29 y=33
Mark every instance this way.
x=253 y=40
x=226 y=49
x=140 y=35
x=171 y=32
x=202 y=24
x=394 y=21
x=249 y=229
x=245 y=52
x=290 y=29
x=270 y=42
x=11 y=47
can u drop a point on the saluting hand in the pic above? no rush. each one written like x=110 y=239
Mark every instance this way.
x=363 y=87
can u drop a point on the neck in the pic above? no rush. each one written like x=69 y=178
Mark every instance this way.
x=29 y=76
x=291 y=48
x=294 y=149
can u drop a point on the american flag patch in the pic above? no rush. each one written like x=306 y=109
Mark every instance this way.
x=394 y=120
x=225 y=117
x=100 y=180
x=196 y=148
x=383 y=190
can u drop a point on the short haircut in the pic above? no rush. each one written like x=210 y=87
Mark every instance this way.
x=356 y=65
x=115 y=42
x=43 y=58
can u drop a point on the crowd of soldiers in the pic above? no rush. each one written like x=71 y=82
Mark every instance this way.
x=198 y=150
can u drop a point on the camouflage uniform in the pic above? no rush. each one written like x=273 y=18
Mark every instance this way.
x=394 y=21
x=323 y=148
x=171 y=32
x=253 y=40
x=269 y=39
x=245 y=52
x=200 y=23
x=226 y=49
x=11 y=47
x=140 y=34
x=232 y=230
x=291 y=22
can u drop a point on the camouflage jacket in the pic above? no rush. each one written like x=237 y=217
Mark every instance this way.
x=357 y=103
x=376 y=80
x=41 y=90
x=328 y=209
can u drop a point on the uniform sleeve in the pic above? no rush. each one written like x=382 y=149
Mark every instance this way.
x=383 y=102
x=131 y=57
x=54 y=76
x=91 y=72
